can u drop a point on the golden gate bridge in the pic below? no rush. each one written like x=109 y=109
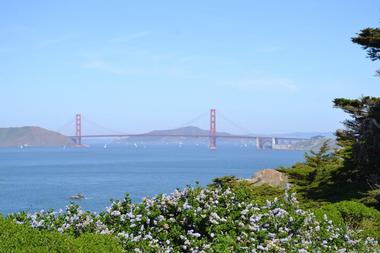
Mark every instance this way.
x=213 y=135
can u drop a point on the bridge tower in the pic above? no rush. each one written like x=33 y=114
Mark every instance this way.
x=78 y=129
x=212 y=129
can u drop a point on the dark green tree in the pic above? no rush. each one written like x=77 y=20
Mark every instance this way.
x=317 y=159
x=369 y=39
x=360 y=140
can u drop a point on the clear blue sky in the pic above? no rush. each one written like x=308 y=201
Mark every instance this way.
x=270 y=66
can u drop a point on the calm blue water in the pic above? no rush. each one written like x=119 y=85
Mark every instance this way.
x=33 y=179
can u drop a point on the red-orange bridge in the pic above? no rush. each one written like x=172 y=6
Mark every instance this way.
x=261 y=141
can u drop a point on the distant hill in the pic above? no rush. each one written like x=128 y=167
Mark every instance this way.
x=315 y=143
x=305 y=135
x=31 y=136
x=189 y=130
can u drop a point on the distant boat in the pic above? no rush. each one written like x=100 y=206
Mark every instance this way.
x=77 y=196
x=135 y=144
x=105 y=146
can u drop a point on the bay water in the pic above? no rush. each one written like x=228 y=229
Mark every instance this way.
x=32 y=179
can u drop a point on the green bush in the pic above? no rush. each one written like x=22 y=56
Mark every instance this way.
x=22 y=238
x=355 y=215
x=332 y=213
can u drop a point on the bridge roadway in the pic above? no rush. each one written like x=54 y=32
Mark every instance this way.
x=188 y=136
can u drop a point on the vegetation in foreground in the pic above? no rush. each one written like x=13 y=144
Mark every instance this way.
x=323 y=178
x=224 y=217
x=22 y=238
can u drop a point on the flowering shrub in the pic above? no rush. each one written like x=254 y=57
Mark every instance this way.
x=206 y=220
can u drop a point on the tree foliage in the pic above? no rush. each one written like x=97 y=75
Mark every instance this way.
x=317 y=159
x=360 y=140
x=369 y=38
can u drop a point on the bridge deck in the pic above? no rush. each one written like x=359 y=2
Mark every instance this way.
x=185 y=136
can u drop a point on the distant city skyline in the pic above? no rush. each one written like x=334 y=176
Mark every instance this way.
x=271 y=67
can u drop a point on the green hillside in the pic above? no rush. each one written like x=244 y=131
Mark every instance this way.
x=31 y=136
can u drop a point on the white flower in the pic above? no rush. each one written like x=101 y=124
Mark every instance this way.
x=186 y=206
x=115 y=213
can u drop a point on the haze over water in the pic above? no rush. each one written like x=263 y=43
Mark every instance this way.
x=34 y=178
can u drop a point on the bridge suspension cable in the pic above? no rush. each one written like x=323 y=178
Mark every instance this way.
x=243 y=129
x=66 y=126
x=190 y=122
x=106 y=129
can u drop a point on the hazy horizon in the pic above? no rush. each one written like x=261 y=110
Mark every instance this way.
x=137 y=67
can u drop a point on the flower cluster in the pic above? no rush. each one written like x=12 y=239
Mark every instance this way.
x=206 y=220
